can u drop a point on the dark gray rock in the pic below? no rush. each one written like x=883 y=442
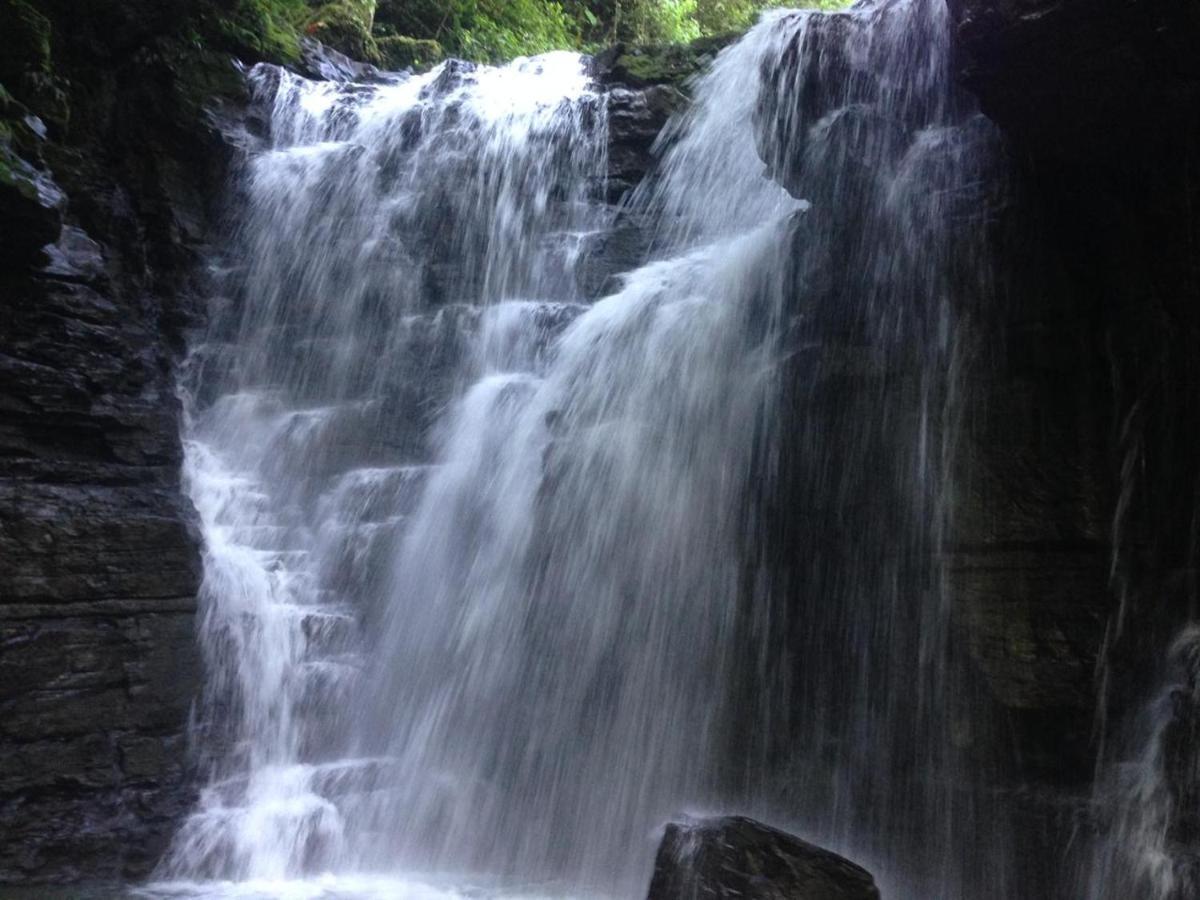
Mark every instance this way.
x=1086 y=80
x=1082 y=464
x=99 y=553
x=322 y=62
x=99 y=572
x=31 y=208
x=636 y=117
x=739 y=857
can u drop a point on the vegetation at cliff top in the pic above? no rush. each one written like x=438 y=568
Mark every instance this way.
x=499 y=29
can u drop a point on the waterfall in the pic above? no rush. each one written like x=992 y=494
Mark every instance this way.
x=1151 y=800
x=499 y=574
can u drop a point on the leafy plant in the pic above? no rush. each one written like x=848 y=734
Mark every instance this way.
x=493 y=30
x=488 y=30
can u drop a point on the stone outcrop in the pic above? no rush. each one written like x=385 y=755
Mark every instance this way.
x=1086 y=81
x=107 y=171
x=346 y=26
x=1084 y=446
x=739 y=857
x=98 y=570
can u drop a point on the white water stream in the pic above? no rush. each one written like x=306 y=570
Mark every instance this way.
x=489 y=592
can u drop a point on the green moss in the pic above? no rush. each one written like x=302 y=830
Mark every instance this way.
x=26 y=40
x=198 y=76
x=673 y=64
x=400 y=52
x=255 y=29
x=26 y=63
x=345 y=25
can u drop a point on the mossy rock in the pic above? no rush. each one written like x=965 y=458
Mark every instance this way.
x=26 y=65
x=25 y=41
x=259 y=29
x=401 y=52
x=345 y=25
x=670 y=64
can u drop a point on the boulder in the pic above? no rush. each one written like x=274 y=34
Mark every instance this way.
x=398 y=51
x=735 y=856
x=346 y=25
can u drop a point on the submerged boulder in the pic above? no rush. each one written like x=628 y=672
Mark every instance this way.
x=734 y=856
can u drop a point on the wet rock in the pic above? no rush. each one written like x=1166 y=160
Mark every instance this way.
x=454 y=74
x=739 y=857
x=26 y=40
x=31 y=207
x=74 y=257
x=1083 y=79
x=608 y=254
x=636 y=117
x=323 y=62
x=99 y=554
x=1062 y=531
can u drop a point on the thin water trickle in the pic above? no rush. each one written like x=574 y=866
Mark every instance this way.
x=501 y=576
x=1150 y=800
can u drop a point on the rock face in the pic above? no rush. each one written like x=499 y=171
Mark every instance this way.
x=739 y=857
x=106 y=168
x=1072 y=469
x=1083 y=445
x=98 y=572
x=1073 y=481
x=1059 y=75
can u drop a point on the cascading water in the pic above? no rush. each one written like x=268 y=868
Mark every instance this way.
x=500 y=576
x=1152 y=800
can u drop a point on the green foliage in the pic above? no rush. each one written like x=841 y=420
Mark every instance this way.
x=662 y=21
x=672 y=21
x=486 y=30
